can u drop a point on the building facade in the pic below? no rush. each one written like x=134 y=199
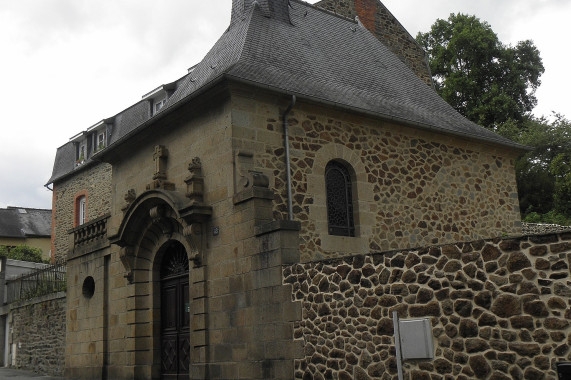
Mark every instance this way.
x=178 y=216
x=26 y=226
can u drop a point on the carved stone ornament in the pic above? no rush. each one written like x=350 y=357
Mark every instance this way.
x=159 y=181
x=195 y=182
x=259 y=179
x=160 y=158
x=129 y=197
x=245 y=176
x=127 y=256
x=158 y=213
x=243 y=163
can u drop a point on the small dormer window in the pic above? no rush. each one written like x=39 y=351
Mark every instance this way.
x=101 y=141
x=81 y=154
x=158 y=97
x=160 y=104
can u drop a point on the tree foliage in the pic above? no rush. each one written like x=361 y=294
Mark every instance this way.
x=561 y=168
x=544 y=173
x=485 y=80
x=494 y=85
x=22 y=252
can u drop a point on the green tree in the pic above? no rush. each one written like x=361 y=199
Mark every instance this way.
x=543 y=173
x=561 y=168
x=485 y=80
x=22 y=252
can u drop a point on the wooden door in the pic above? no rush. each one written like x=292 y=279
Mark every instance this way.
x=175 y=316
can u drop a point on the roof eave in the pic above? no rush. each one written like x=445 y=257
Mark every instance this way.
x=411 y=123
x=89 y=163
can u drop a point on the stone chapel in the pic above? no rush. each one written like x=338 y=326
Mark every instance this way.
x=301 y=137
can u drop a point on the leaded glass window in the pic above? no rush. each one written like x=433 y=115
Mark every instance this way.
x=339 y=200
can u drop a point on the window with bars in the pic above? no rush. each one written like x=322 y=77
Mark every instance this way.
x=338 y=189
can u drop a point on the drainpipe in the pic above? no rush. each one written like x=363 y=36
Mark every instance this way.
x=287 y=158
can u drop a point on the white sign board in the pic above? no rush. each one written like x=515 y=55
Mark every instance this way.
x=416 y=339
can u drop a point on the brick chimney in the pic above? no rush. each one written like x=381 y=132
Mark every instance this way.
x=278 y=9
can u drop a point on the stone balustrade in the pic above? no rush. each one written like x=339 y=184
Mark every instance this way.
x=90 y=231
x=88 y=237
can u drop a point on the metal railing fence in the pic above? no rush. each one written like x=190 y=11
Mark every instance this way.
x=39 y=282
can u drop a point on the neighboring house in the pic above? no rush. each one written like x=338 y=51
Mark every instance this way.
x=299 y=138
x=26 y=226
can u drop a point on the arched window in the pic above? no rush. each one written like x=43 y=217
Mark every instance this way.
x=338 y=189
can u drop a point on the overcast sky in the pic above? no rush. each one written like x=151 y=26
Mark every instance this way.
x=67 y=64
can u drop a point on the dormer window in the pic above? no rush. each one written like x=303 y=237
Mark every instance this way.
x=101 y=140
x=81 y=154
x=158 y=97
x=159 y=104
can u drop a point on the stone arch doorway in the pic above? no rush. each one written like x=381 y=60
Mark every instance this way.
x=154 y=225
x=175 y=312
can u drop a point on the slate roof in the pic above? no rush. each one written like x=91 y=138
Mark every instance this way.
x=21 y=222
x=315 y=55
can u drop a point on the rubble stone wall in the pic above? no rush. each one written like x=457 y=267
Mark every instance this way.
x=38 y=334
x=500 y=309
x=542 y=228
x=412 y=188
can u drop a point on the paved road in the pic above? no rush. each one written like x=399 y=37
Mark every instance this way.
x=16 y=374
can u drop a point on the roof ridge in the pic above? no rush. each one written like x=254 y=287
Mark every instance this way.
x=26 y=208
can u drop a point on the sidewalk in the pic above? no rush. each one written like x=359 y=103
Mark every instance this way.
x=10 y=373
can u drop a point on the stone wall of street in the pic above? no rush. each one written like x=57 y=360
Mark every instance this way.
x=38 y=334
x=500 y=309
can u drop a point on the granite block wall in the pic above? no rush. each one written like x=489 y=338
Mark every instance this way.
x=499 y=308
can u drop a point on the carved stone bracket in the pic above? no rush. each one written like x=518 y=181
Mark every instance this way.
x=193 y=234
x=127 y=256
